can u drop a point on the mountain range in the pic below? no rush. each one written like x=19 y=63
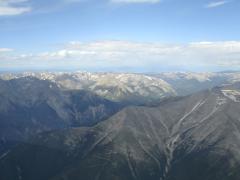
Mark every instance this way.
x=119 y=87
x=29 y=106
x=131 y=87
x=184 y=135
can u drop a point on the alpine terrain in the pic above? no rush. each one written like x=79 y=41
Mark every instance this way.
x=29 y=106
x=193 y=137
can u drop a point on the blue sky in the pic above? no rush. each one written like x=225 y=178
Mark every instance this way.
x=130 y=35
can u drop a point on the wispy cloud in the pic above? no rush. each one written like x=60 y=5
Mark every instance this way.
x=48 y=6
x=3 y=50
x=13 y=7
x=216 y=4
x=18 y=7
x=73 y=1
x=119 y=54
x=135 y=1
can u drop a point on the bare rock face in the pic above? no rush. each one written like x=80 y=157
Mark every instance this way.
x=194 y=137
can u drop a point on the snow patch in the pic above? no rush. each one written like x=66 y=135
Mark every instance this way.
x=220 y=101
x=234 y=95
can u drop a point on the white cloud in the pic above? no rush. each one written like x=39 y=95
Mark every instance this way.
x=13 y=7
x=135 y=1
x=3 y=50
x=7 y=11
x=120 y=54
x=216 y=4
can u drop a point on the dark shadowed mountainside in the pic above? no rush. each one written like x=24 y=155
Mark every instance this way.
x=194 y=137
x=29 y=106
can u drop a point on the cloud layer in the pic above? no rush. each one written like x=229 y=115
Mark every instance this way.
x=137 y=55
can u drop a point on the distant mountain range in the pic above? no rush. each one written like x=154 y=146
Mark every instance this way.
x=193 y=137
x=128 y=88
x=134 y=88
x=188 y=83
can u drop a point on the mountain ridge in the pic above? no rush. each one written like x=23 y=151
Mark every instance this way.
x=29 y=106
x=182 y=139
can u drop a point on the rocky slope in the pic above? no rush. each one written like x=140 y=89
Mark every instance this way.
x=29 y=106
x=118 y=87
x=194 y=137
x=135 y=88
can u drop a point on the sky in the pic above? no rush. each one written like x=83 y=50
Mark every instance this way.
x=120 y=35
